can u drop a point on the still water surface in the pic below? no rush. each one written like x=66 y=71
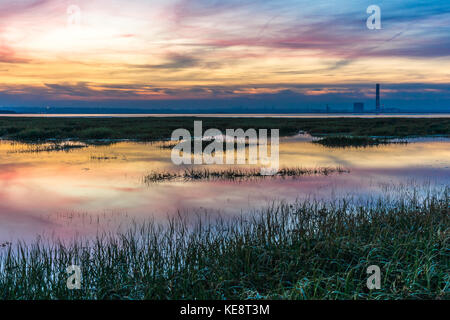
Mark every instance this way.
x=80 y=192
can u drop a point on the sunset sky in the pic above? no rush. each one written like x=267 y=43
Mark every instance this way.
x=236 y=55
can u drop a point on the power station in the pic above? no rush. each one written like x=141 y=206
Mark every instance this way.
x=377 y=106
x=358 y=107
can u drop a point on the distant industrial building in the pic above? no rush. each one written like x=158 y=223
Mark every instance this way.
x=377 y=105
x=358 y=107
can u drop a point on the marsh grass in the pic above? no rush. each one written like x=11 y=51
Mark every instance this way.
x=65 y=146
x=153 y=128
x=193 y=174
x=237 y=145
x=305 y=250
x=355 y=141
x=169 y=144
x=103 y=157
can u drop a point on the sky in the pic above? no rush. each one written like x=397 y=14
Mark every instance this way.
x=223 y=55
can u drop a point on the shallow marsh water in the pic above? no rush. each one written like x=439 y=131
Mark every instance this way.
x=81 y=191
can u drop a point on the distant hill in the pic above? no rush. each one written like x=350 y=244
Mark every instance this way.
x=6 y=112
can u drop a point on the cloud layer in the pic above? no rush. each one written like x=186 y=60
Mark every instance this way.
x=206 y=49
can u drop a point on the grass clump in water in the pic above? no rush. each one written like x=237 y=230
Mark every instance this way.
x=307 y=250
x=350 y=141
x=55 y=146
x=193 y=174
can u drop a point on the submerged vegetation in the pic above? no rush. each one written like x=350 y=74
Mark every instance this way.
x=305 y=250
x=103 y=157
x=158 y=128
x=168 y=144
x=49 y=147
x=192 y=174
x=349 y=141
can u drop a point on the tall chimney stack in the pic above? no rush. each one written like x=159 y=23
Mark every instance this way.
x=378 y=98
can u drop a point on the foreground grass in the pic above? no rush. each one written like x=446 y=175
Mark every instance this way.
x=310 y=250
x=151 y=129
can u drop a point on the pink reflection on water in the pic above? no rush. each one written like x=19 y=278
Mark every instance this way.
x=69 y=194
